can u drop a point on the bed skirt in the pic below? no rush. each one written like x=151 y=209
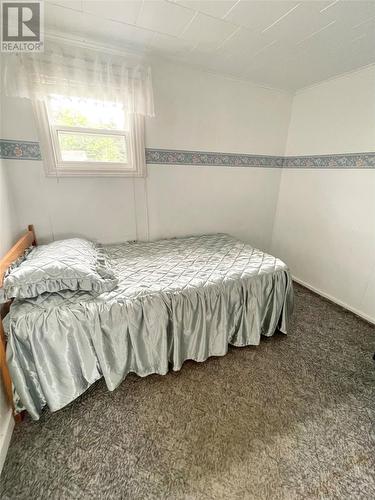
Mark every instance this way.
x=54 y=355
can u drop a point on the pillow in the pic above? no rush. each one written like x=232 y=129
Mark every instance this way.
x=73 y=264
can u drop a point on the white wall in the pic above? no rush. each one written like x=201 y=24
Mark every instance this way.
x=336 y=116
x=195 y=111
x=8 y=232
x=8 y=225
x=68 y=206
x=8 y=235
x=199 y=111
x=325 y=222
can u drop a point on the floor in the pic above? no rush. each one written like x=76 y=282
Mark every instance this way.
x=292 y=418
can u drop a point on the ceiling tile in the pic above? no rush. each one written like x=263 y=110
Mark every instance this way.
x=208 y=32
x=352 y=12
x=132 y=36
x=63 y=19
x=314 y=41
x=200 y=58
x=341 y=53
x=244 y=42
x=230 y=66
x=260 y=72
x=258 y=15
x=169 y=45
x=164 y=17
x=68 y=4
x=301 y=22
x=126 y=12
x=329 y=37
x=215 y=8
x=215 y=63
x=83 y=25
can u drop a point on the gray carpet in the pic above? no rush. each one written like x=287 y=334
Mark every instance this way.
x=292 y=418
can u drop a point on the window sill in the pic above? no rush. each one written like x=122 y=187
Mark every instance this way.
x=76 y=172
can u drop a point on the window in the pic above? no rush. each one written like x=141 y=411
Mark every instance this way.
x=89 y=137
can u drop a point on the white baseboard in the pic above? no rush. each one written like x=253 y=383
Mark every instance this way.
x=336 y=301
x=5 y=437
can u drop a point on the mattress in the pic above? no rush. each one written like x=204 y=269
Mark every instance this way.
x=176 y=299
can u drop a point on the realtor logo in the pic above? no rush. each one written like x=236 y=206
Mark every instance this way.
x=21 y=26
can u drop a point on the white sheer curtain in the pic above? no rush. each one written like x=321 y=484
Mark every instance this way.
x=80 y=72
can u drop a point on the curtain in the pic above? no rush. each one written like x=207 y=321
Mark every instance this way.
x=79 y=72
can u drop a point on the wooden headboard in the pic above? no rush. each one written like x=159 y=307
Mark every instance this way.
x=27 y=239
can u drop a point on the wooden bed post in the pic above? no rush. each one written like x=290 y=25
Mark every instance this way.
x=5 y=375
x=27 y=240
x=30 y=228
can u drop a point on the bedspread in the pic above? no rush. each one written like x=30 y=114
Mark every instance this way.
x=177 y=299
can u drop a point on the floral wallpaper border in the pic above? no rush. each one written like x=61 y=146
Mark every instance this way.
x=202 y=158
x=346 y=160
x=30 y=150
x=19 y=150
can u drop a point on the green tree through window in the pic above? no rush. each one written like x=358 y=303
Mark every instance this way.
x=78 y=146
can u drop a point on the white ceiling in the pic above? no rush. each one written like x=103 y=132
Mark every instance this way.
x=281 y=44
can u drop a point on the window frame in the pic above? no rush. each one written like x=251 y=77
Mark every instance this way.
x=55 y=166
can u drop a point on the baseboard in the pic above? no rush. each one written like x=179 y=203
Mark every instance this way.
x=5 y=438
x=334 y=300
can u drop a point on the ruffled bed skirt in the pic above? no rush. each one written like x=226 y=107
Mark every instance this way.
x=55 y=354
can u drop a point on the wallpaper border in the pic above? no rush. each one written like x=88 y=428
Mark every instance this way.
x=19 y=150
x=30 y=150
x=207 y=158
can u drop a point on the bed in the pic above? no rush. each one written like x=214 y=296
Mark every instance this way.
x=176 y=299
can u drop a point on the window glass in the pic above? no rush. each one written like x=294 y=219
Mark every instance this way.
x=85 y=147
x=87 y=113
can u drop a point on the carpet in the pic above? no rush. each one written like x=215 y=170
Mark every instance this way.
x=293 y=418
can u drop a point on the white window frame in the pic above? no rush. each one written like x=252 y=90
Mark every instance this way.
x=55 y=166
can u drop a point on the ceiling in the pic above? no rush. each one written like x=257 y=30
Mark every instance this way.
x=281 y=44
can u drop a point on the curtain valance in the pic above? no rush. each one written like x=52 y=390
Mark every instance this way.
x=80 y=72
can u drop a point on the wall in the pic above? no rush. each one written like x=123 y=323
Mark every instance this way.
x=325 y=222
x=52 y=204
x=199 y=111
x=8 y=232
x=195 y=111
